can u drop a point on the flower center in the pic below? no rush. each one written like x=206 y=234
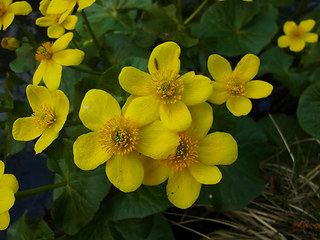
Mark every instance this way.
x=119 y=136
x=167 y=86
x=44 y=52
x=235 y=87
x=297 y=32
x=44 y=116
x=2 y=9
x=186 y=153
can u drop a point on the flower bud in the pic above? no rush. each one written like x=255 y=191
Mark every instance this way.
x=10 y=43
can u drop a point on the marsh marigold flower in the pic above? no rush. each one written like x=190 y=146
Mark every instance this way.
x=10 y=43
x=195 y=160
x=119 y=141
x=296 y=36
x=56 y=28
x=8 y=187
x=50 y=110
x=164 y=92
x=52 y=57
x=8 y=10
x=236 y=87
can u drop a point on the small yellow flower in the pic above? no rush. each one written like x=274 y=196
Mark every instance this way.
x=119 y=141
x=296 y=36
x=8 y=187
x=50 y=110
x=10 y=43
x=56 y=28
x=195 y=160
x=8 y=10
x=164 y=93
x=236 y=87
x=52 y=57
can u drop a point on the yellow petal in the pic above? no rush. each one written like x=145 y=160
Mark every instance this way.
x=2 y=167
x=52 y=75
x=24 y=129
x=202 y=118
x=68 y=57
x=197 y=88
x=43 y=6
x=311 y=37
x=88 y=153
x=175 y=116
x=44 y=21
x=38 y=75
x=70 y=22
x=4 y=220
x=97 y=108
x=205 y=174
x=143 y=110
x=62 y=42
x=59 y=6
x=289 y=26
x=9 y=180
x=165 y=57
x=307 y=25
x=258 y=89
x=297 y=45
x=6 y=198
x=7 y=19
x=219 y=68
x=283 y=41
x=155 y=171
x=47 y=137
x=126 y=104
x=125 y=172
x=20 y=8
x=156 y=141
x=218 y=148
x=84 y=3
x=182 y=189
x=239 y=106
x=247 y=67
x=38 y=95
x=6 y=2
x=55 y=31
x=219 y=93
x=60 y=108
x=135 y=81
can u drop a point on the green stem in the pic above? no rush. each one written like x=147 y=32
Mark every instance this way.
x=27 y=33
x=299 y=9
x=34 y=191
x=86 y=70
x=195 y=12
x=179 y=10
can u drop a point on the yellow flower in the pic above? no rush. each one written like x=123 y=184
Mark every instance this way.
x=52 y=57
x=8 y=10
x=50 y=110
x=56 y=28
x=164 y=92
x=8 y=187
x=296 y=36
x=236 y=87
x=119 y=141
x=195 y=160
x=10 y=43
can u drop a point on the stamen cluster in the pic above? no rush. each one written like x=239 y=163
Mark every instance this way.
x=44 y=116
x=44 y=52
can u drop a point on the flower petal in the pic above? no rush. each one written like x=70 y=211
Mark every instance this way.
x=47 y=137
x=70 y=22
x=182 y=189
x=288 y=27
x=197 y=88
x=175 y=116
x=143 y=110
x=155 y=171
x=311 y=37
x=258 y=89
x=68 y=57
x=218 y=148
x=4 y=220
x=38 y=75
x=60 y=108
x=59 y=6
x=37 y=96
x=55 y=31
x=307 y=25
x=219 y=68
x=239 y=106
x=219 y=93
x=97 y=108
x=247 y=67
x=62 y=42
x=2 y=167
x=6 y=198
x=44 y=21
x=88 y=153
x=283 y=41
x=10 y=181
x=165 y=57
x=135 y=81
x=84 y=3
x=20 y=8
x=205 y=174
x=52 y=75
x=297 y=45
x=202 y=118
x=125 y=172
x=156 y=141
x=7 y=19
x=24 y=129
x=6 y=2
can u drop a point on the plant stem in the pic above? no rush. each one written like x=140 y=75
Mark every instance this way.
x=27 y=33
x=86 y=70
x=195 y=12
x=34 y=191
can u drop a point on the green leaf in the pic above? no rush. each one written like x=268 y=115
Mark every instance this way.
x=76 y=204
x=281 y=3
x=240 y=27
x=25 y=60
x=140 y=203
x=308 y=110
x=29 y=229
x=240 y=182
x=311 y=54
